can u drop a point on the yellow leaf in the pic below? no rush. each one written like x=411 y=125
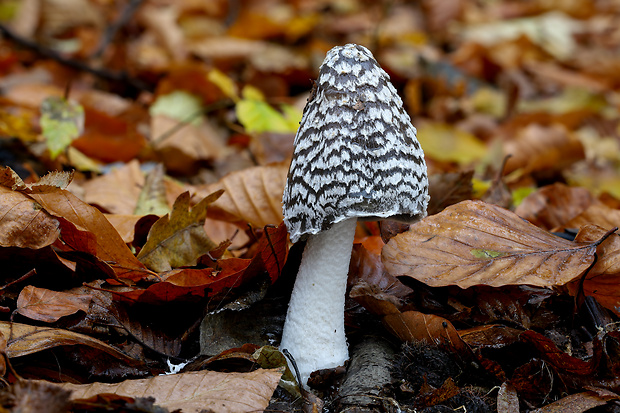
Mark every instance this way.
x=442 y=142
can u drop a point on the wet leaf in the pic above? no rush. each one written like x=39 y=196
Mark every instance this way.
x=179 y=239
x=474 y=243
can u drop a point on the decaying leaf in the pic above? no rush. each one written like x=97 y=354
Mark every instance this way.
x=473 y=243
x=47 y=305
x=194 y=391
x=180 y=239
x=253 y=195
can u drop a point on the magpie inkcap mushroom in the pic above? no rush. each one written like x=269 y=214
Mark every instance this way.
x=356 y=157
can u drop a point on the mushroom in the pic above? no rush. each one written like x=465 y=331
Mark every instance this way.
x=356 y=157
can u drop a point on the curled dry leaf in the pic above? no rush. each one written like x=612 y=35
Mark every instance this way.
x=603 y=280
x=109 y=245
x=25 y=339
x=474 y=243
x=253 y=195
x=178 y=239
x=194 y=391
x=48 y=306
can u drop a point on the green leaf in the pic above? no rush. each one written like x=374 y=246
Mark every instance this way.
x=62 y=121
x=178 y=105
x=258 y=116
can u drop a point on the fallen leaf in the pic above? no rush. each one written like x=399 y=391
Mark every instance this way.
x=579 y=402
x=448 y=189
x=602 y=281
x=178 y=239
x=553 y=206
x=25 y=339
x=538 y=148
x=117 y=191
x=596 y=214
x=473 y=243
x=429 y=328
x=507 y=399
x=445 y=143
x=46 y=305
x=110 y=246
x=194 y=391
x=23 y=223
x=62 y=121
x=252 y=195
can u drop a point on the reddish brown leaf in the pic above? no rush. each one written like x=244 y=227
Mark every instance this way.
x=110 y=246
x=48 y=306
x=432 y=329
x=477 y=243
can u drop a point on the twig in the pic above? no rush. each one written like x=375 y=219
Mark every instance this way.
x=75 y=64
x=111 y=30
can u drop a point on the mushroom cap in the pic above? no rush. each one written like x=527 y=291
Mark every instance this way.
x=356 y=152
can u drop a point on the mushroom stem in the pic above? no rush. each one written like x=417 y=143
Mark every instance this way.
x=314 y=327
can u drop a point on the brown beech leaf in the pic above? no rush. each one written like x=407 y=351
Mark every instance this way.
x=474 y=243
x=117 y=191
x=25 y=339
x=23 y=223
x=538 y=148
x=596 y=214
x=48 y=306
x=448 y=189
x=430 y=328
x=579 y=402
x=178 y=239
x=603 y=280
x=110 y=247
x=194 y=391
x=553 y=206
x=253 y=195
